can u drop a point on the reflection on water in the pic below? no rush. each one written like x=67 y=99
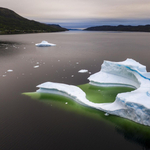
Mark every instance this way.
x=30 y=124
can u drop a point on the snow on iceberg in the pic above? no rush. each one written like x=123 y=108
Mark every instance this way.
x=44 y=44
x=70 y=91
x=133 y=105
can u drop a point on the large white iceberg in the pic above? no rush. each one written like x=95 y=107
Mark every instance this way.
x=133 y=105
x=44 y=44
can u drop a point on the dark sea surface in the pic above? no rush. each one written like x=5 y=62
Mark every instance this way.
x=27 y=124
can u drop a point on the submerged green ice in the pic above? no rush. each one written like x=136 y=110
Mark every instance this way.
x=93 y=93
x=131 y=130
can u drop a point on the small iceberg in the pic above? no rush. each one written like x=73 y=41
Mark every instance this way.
x=83 y=71
x=36 y=66
x=44 y=44
x=9 y=70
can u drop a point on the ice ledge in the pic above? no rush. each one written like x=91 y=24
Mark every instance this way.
x=133 y=105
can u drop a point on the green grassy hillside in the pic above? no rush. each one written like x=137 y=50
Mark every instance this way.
x=11 y=22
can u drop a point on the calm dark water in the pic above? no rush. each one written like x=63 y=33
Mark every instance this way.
x=27 y=124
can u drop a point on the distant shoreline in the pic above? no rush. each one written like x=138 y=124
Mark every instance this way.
x=139 y=28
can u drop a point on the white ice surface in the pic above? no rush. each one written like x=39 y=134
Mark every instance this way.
x=44 y=44
x=36 y=66
x=83 y=71
x=133 y=105
x=9 y=70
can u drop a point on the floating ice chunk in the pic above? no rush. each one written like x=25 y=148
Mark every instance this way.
x=36 y=66
x=133 y=105
x=9 y=70
x=83 y=71
x=44 y=44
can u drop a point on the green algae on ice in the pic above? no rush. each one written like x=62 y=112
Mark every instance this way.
x=93 y=93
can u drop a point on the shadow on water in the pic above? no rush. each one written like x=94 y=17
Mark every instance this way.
x=9 y=43
x=10 y=48
x=131 y=131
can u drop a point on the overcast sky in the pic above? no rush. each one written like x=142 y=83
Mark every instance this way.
x=82 y=11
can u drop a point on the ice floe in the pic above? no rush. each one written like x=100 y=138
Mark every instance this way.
x=36 y=66
x=83 y=71
x=9 y=70
x=44 y=44
x=133 y=105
